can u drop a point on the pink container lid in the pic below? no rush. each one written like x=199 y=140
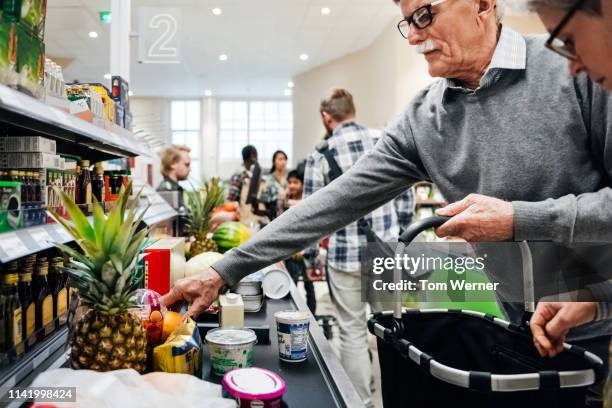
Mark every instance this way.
x=254 y=383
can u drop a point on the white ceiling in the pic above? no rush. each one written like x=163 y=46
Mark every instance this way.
x=263 y=40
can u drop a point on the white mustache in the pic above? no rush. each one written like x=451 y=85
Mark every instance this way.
x=425 y=47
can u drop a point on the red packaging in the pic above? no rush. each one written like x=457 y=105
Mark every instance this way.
x=164 y=264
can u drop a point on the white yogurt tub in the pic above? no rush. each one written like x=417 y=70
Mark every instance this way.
x=230 y=349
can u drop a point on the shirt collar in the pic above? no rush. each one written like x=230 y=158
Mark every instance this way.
x=174 y=184
x=510 y=54
x=349 y=125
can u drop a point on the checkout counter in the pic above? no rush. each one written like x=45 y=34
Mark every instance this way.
x=320 y=381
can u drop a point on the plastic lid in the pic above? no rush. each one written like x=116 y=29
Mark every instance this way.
x=292 y=315
x=276 y=284
x=231 y=336
x=232 y=298
x=254 y=383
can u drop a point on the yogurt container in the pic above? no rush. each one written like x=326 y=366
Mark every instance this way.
x=292 y=330
x=230 y=349
x=276 y=283
x=255 y=387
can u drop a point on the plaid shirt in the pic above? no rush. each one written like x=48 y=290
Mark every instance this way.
x=235 y=187
x=348 y=143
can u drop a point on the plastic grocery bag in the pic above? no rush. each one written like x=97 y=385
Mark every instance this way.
x=127 y=388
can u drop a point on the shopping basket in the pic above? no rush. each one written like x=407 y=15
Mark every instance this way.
x=460 y=358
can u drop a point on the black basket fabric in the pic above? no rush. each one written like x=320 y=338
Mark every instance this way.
x=469 y=343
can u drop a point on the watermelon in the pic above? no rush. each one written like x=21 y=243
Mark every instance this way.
x=230 y=235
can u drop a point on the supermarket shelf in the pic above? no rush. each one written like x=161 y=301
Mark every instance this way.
x=73 y=135
x=32 y=360
x=27 y=241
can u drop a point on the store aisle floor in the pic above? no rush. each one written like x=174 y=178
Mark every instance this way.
x=326 y=307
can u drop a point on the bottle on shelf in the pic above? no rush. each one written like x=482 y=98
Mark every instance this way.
x=57 y=283
x=44 y=299
x=28 y=307
x=12 y=313
x=84 y=188
x=97 y=183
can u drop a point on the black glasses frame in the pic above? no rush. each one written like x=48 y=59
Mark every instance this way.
x=555 y=32
x=410 y=20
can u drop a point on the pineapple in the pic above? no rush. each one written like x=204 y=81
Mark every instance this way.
x=200 y=204
x=107 y=336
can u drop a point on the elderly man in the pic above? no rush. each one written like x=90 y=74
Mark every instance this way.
x=486 y=133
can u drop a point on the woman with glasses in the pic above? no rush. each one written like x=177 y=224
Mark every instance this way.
x=580 y=30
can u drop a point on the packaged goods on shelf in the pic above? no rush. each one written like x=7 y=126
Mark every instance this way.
x=120 y=91
x=30 y=160
x=10 y=206
x=8 y=52
x=109 y=103
x=30 y=61
x=29 y=13
x=82 y=97
x=27 y=144
x=55 y=85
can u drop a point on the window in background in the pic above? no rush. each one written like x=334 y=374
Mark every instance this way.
x=185 y=126
x=267 y=125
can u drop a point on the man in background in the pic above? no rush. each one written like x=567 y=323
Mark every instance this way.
x=175 y=167
x=348 y=142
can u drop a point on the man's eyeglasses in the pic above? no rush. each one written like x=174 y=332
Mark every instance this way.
x=564 y=48
x=421 y=18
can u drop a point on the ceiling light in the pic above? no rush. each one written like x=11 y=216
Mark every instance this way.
x=93 y=34
x=216 y=11
x=287 y=92
x=130 y=93
x=107 y=76
x=303 y=57
x=208 y=92
x=222 y=57
x=290 y=84
x=325 y=11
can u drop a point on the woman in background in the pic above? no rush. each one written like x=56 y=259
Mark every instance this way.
x=273 y=195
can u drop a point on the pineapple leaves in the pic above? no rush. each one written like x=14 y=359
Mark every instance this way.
x=81 y=224
x=107 y=272
x=98 y=221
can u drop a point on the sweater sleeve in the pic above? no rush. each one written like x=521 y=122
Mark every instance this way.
x=378 y=177
x=579 y=218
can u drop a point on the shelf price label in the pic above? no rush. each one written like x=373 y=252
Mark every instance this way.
x=41 y=237
x=64 y=235
x=12 y=245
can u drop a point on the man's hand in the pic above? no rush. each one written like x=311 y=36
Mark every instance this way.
x=478 y=218
x=551 y=322
x=200 y=291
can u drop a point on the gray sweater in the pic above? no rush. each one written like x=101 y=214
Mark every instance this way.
x=533 y=136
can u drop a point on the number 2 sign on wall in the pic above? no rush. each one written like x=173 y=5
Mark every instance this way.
x=158 y=40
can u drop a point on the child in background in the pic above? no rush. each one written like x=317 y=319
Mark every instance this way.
x=296 y=265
